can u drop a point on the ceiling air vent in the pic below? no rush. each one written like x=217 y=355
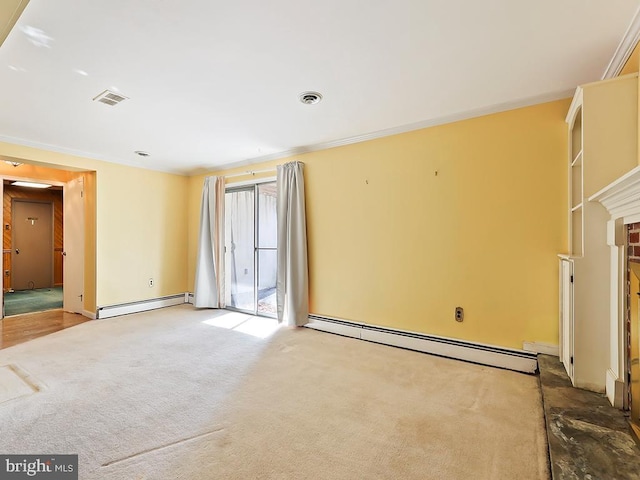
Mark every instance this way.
x=310 y=98
x=110 y=98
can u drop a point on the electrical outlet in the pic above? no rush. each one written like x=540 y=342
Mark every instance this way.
x=459 y=314
x=151 y=282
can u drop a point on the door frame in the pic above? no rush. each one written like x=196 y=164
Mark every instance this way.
x=22 y=179
x=242 y=186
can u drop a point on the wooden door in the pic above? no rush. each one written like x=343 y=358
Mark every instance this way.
x=32 y=245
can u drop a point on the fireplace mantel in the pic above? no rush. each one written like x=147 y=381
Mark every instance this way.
x=621 y=197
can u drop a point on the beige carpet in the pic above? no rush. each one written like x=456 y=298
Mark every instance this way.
x=163 y=395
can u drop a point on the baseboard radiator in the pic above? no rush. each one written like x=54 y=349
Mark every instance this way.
x=141 y=306
x=512 y=359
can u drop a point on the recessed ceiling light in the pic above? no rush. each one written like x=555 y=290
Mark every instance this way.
x=142 y=153
x=31 y=184
x=310 y=98
x=12 y=163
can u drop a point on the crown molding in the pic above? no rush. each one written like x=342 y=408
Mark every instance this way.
x=456 y=117
x=625 y=48
x=7 y=22
x=82 y=154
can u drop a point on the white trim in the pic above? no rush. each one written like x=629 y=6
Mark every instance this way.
x=484 y=354
x=615 y=389
x=456 y=117
x=189 y=297
x=635 y=218
x=250 y=172
x=576 y=103
x=625 y=48
x=88 y=314
x=84 y=154
x=460 y=352
x=253 y=181
x=621 y=197
x=109 y=311
x=541 y=347
x=353 y=330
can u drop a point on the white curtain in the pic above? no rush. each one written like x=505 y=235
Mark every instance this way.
x=292 y=290
x=209 y=287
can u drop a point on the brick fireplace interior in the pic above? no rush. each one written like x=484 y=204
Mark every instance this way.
x=632 y=325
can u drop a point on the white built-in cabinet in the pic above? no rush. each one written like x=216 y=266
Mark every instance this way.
x=602 y=138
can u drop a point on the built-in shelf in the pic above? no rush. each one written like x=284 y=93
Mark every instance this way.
x=591 y=315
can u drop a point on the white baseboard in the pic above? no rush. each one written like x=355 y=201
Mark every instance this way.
x=347 y=329
x=88 y=314
x=511 y=359
x=189 y=297
x=541 y=347
x=141 y=306
x=614 y=389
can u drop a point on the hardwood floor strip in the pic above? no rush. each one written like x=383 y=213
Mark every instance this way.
x=21 y=328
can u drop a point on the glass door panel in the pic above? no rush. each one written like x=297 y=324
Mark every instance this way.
x=267 y=266
x=240 y=249
x=266 y=249
x=267 y=225
x=251 y=249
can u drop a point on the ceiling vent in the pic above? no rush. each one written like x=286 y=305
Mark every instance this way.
x=310 y=98
x=110 y=98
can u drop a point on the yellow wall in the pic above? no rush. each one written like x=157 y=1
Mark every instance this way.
x=134 y=217
x=632 y=63
x=609 y=130
x=393 y=244
x=141 y=234
x=390 y=242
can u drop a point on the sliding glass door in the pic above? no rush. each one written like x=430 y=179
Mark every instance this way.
x=251 y=248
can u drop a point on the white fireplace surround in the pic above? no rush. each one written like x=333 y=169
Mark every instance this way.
x=621 y=198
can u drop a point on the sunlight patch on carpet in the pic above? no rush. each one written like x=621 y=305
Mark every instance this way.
x=259 y=327
x=14 y=383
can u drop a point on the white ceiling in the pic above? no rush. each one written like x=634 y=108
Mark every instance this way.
x=215 y=83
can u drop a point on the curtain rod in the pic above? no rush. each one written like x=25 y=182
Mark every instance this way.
x=250 y=172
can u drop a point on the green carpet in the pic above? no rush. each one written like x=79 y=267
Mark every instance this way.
x=27 y=301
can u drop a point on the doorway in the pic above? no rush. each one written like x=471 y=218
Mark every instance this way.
x=32 y=248
x=251 y=249
x=66 y=290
